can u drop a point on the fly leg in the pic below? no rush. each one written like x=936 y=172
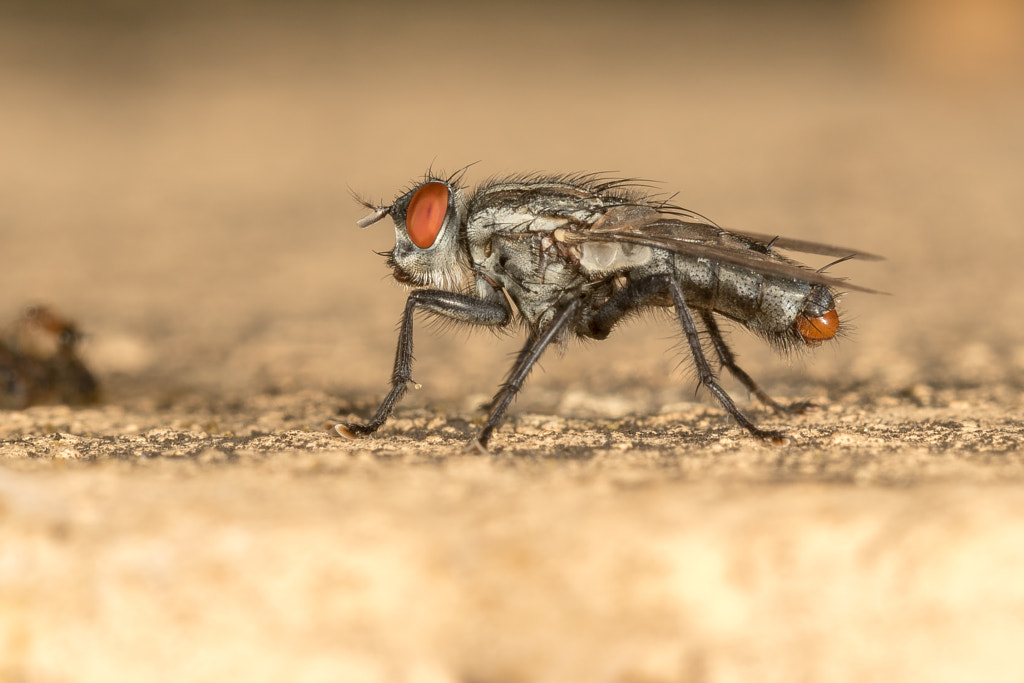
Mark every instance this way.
x=728 y=360
x=487 y=406
x=637 y=294
x=461 y=307
x=527 y=358
x=704 y=373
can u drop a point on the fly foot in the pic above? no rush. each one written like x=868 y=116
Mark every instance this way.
x=773 y=437
x=798 y=408
x=476 y=447
x=347 y=430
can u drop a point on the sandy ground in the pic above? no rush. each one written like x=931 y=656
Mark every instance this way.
x=177 y=182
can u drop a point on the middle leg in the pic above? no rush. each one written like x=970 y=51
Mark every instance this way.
x=525 y=361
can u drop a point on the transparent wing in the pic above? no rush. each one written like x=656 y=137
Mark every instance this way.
x=753 y=251
x=807 y=247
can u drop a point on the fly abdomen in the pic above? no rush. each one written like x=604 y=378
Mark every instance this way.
x=699 y=280
x=781 y=308
x=734 y=292
x=741 y=294
x=818 y=321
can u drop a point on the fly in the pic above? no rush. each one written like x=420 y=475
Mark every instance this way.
x=575 y=255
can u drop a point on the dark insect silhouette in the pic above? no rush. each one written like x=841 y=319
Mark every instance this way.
x=574 y=255
x=39 y=362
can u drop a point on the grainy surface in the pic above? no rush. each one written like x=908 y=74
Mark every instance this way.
x=177 y=184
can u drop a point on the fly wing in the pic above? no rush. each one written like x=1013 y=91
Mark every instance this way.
x=807 y=247
x=647 y=226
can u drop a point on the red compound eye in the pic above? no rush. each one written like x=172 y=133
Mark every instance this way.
x=425 y=216
x=816 y=330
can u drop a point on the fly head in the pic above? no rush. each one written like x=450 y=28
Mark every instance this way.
x=428 y=219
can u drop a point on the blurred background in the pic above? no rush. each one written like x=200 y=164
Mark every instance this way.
x=176 y=177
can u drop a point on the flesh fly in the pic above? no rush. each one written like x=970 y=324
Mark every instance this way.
x=576 y=254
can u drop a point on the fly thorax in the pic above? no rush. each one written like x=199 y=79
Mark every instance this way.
x=427 y=251
x=510 y=220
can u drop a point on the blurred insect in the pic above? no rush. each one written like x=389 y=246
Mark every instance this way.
x=576 y=254
x=39 y=362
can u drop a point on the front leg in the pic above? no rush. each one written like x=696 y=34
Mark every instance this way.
x=461 y=307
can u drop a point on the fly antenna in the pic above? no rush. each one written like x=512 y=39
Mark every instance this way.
x=379 y=211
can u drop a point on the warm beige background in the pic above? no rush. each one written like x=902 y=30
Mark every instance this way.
x=177 y=181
